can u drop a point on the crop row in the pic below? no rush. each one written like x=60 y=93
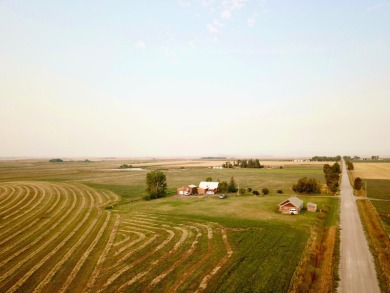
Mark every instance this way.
x=56 y=237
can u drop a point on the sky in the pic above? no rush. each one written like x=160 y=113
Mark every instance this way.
x=194 y=78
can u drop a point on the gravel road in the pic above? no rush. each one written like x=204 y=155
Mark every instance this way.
x=357 y=270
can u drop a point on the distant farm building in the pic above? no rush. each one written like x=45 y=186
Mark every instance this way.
x=187 y=190
x=290 y=205
x=208 y=187
x=311 y=207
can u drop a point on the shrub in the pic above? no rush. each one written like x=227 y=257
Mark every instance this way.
x=358 y=183
x=279 y=191
x=209 y=179
x=255 y=192
x=265 y=191
x=249 y=189
x=242 y=191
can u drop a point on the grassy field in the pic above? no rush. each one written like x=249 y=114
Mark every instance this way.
x=73 y=240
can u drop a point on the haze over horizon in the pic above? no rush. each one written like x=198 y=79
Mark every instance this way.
x=194 y=78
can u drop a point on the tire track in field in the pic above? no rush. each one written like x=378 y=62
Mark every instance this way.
x=59 y=264
x=10 y=205
x=141 y=259
x=11 y=226
x=190 y=271
x=27 y=204
x=22 y=280
x=48 y=242
x=31 y=223
x=141 y=275
x=220 y=264
x=188 y=253
x=6 y=194
x=37 y=228
x=82 y=260
x=129 y=244
x=23 y=202
x=103 y=255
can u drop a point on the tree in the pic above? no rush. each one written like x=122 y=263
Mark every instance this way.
x=255 y=192
x=349 y=165
x=209 y=179
x=223 y=187
x=265 y=191
x=156 y=185
x=232 y=185
x=279 y=191
x=307 y=185
x=358 y=184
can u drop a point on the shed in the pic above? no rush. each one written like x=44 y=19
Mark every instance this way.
x=208 y=187
x=311 y=207
x=291 y=203
x=187 y=190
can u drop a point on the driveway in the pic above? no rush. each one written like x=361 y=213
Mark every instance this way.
x=357 y=270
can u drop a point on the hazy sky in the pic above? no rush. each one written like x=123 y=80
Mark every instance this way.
x=189 y=78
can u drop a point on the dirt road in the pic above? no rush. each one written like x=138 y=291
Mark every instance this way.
x=357 y=270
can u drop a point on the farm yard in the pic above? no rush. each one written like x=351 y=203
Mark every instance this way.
x=77 y=227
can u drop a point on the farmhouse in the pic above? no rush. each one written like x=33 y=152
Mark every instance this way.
x=187 y=190
x=208 y=187
x=311 y=207
x=291 y=205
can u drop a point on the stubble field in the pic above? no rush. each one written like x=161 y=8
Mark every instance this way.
x=57 y=234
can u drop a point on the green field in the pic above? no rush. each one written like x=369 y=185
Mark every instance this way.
x=380 y=189
x=71 y=240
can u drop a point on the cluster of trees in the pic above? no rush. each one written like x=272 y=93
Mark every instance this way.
x=332 y=176
x=349 y=165
x=351 y=158
x=156 y=185
x=227 y=165
x=307 y=185
x=228 y=187
x=125 y=166
x=56 y=160
x=326 y=159
x=251 y=163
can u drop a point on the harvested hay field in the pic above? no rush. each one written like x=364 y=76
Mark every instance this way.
x=56 y=237
x=372 y=170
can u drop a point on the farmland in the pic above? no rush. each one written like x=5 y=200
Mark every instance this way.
x=78 y=226
x=375 y=214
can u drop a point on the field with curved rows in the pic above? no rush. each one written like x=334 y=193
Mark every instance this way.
x=67 y=228
x=55 y=237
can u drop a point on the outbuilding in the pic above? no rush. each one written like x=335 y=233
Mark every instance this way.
x=311 y=207
x=293 y=205
x=187 y=190
x=208 y=187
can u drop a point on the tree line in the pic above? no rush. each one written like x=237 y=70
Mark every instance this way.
x=326 y=159
x=332 y=176
x=245 y=163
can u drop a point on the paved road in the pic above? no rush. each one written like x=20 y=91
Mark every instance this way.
x=357 y=270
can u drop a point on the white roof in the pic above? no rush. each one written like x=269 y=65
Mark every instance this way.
x=311 y=204
x=208 y=185
x=192 y=186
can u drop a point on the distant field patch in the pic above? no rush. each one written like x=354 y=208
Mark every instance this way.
x=378 y=188
x=372 y=170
